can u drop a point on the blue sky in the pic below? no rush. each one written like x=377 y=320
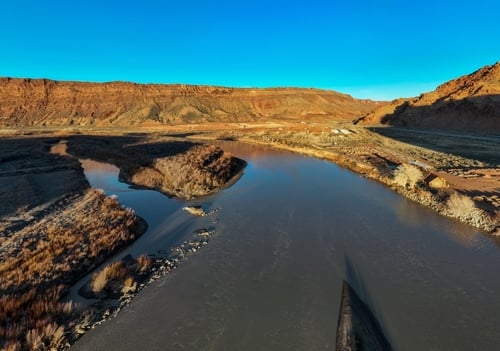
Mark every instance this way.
x=380 y=49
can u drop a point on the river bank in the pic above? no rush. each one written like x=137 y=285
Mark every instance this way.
x=287 y=234
x=465 y=164
x=423 y=194
x=359 y=150
x=180 y=169
x=457 y=175
x=56 y=229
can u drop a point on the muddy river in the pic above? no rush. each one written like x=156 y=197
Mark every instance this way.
x=287 y=234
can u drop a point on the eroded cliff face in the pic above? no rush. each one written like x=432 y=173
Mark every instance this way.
x=468 y=103
x=42 y=102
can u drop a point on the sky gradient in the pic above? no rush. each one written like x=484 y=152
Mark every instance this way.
x=370 y=49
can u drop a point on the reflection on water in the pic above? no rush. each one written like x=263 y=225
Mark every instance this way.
x=94 y=168
x=103 y=176
x=461 y=234
x=59 y=148
x=288 y=232
x=167 y=223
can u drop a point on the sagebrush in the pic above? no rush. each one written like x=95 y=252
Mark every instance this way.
x=461 y=206
x=407 y=175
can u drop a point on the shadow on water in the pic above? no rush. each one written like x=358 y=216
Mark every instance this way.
x=367 y=320
x=124 y=151
x=32 y=162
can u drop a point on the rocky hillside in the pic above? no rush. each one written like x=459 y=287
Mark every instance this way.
x=41 y=102
x=469 y=103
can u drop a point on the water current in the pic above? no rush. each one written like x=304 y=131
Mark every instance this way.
x=287 y=234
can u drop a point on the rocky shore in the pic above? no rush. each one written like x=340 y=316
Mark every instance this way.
x=135 y=275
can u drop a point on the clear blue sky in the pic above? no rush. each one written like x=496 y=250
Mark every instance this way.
x=380 y=49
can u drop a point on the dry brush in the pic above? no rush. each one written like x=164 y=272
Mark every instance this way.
x=39 y=262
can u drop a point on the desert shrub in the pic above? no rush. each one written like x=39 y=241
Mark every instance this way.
x=34 y=339
x=113 y=271
x=12 y=346
x=99 y=281
x=143 y=263
x=129 y=285
x=461 y=206
x=53 y=335
x=407 y=175
x=129 y=282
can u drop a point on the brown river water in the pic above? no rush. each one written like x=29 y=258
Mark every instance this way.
x=287 y=234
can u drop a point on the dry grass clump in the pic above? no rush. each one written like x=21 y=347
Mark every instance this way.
x=51 y=336
x=129 y=285
x=12 y=346
x=461 y=206
x=99 y=281
x=407 y=176
x=143 y=263
x=39 y=262
x=114 y=271
x=119 y=278
x=34 y=319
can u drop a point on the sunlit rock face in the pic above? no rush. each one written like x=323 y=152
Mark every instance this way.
x=41 y=102
x=469 y=103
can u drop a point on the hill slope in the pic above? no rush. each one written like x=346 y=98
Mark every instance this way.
x=40 y=102
x=469 y=103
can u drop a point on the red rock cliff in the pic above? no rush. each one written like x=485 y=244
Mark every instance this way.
x=42 y=102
